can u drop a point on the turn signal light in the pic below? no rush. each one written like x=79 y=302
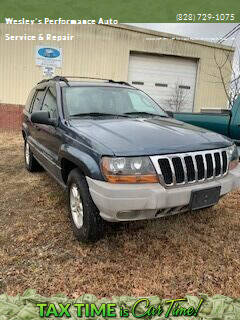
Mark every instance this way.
x=132 y=179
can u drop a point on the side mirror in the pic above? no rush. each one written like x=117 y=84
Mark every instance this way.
x=169 y=113
x=42 y=117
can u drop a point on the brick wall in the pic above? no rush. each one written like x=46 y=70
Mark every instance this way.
x=10 y=117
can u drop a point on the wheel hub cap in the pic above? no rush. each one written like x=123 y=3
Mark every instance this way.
x=76 y=206
x=27 y=153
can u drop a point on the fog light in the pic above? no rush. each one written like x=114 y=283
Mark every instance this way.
x=233 y=164
x=127 y=215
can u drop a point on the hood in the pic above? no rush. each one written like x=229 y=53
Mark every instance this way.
x=137 y=136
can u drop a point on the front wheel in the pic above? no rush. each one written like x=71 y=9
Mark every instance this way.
x=86 y=222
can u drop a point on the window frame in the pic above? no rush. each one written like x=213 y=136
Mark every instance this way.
x=34 y=99
x=47 y=89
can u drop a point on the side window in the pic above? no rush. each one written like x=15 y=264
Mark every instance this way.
x=38 y=100
x=29 y=100
x=50 y=103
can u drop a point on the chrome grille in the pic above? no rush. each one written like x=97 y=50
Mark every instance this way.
x=189 y=168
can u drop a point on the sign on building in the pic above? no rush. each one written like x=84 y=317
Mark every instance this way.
x=48 y=71
x=48 y=56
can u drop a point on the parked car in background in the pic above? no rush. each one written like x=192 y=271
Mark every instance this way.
x=119 y=156
x=226 y=122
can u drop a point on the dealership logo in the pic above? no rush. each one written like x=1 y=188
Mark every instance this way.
x=49 y=52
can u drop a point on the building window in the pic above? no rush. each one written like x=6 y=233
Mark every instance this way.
x=138 y=83
x=184 y=87
x=164 y=85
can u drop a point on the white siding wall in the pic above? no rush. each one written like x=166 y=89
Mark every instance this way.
x=103 y=51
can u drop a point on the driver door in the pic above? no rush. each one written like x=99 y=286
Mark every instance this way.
x=50 y=136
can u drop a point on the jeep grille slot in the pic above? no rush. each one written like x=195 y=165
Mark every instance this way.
x=218 y=163
x=225 y=164
x=189 y=168
x=178 y=168
x=166 y=170
x=200 y=167
x=209 y=161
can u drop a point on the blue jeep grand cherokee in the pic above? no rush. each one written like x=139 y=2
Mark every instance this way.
x=119 y=156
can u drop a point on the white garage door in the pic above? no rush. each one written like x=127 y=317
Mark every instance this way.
x=168 y=80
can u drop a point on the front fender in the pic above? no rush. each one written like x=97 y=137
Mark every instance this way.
x=87 y=164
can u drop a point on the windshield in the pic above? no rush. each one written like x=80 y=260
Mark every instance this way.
x=110 y=101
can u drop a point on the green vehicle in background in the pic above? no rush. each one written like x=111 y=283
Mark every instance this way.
x=225 y=122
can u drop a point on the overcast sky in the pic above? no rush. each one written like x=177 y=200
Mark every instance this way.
x=200 y=31
x=203 y=31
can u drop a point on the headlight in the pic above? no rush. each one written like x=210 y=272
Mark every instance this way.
x=129 y=170
x=233 y=156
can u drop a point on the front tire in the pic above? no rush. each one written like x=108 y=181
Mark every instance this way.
x=31 y=163
x=87 y=225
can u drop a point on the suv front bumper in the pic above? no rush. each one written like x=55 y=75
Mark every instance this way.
x=126 y=202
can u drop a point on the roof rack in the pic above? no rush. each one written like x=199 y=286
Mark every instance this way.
x=65 y=79
x=120 y=82
x=103 y=79
x=56 y=78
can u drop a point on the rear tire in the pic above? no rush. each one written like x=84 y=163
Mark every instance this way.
x=31 y=163
x=87 y=225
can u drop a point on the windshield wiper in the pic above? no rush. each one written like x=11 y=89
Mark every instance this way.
x=145 y=113
x=124 y=115
x=98 y=114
